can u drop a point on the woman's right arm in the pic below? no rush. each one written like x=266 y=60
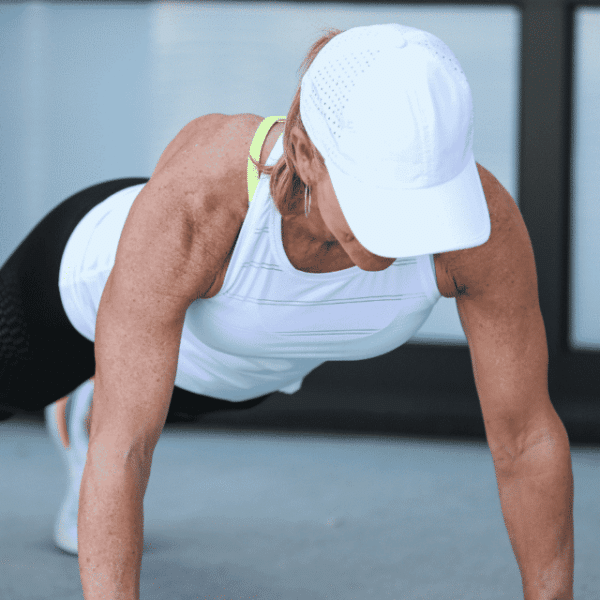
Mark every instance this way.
x=175 y=240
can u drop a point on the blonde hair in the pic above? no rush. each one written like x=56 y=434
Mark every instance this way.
x=287 y=189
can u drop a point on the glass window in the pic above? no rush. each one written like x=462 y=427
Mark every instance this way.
x=584 y=284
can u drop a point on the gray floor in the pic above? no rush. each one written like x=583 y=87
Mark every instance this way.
x=238 y=515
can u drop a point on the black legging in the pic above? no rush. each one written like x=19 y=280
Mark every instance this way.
x=42 y=356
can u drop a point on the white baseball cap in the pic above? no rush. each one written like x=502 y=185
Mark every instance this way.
x=390 y=109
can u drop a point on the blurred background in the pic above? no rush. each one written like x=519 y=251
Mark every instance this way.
x=404 y=503
x=95 y=91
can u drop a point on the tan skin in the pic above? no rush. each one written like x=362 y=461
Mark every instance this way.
x=326 y=228
x=323 y=243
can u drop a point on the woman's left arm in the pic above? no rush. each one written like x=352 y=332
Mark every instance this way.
x=499 y=309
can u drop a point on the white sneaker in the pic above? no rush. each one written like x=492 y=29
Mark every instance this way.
x=74 y=457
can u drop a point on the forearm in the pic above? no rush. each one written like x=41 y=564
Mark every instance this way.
x=110 y=529
x=536 y=495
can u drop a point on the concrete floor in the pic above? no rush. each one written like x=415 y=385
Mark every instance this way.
x=240 y=515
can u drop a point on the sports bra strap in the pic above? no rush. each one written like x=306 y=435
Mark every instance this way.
x=255 y=147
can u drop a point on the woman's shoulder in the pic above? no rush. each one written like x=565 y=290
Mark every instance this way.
x=211 y=154
x=230 y=133
x=206 y=166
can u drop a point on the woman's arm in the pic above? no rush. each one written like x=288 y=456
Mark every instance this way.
x=177 y=236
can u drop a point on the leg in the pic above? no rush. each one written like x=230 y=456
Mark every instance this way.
x=42 y=356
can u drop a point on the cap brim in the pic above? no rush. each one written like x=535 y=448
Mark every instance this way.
x=392 y=224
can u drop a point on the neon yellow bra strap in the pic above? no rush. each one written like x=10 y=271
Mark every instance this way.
x=255 y=147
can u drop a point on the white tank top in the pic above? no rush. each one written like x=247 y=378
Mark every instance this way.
x=270 y=325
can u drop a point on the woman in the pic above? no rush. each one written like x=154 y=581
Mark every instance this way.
x=201 y=286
